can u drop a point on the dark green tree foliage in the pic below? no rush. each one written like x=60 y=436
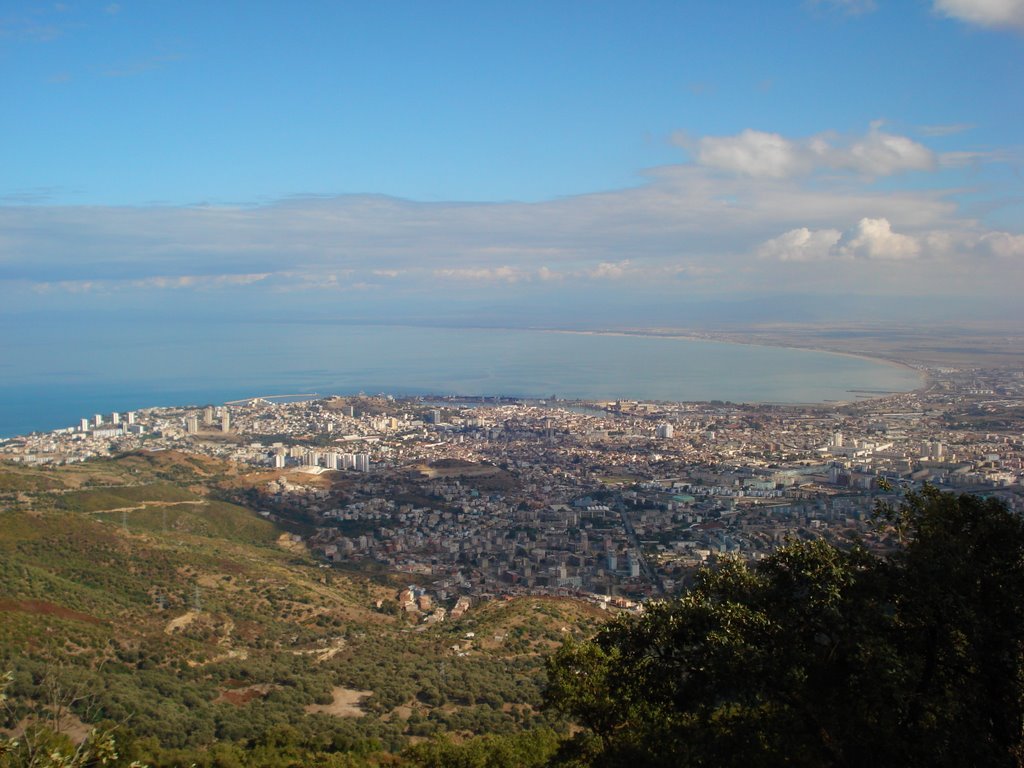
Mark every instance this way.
x=821 y=656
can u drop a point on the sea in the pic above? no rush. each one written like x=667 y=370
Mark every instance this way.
x=54 y=374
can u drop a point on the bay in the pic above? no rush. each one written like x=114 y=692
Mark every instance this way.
x=54 y=374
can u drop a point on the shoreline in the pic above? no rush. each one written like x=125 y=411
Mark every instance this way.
x=857 y=393
x=922 y=375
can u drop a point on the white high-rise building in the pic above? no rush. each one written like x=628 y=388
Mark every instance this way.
x=665 y=431
x=192 y=424
x=97 y=420
x=208 y=415
x=279 y=460
x=85 y=425
x=362 y=462
x=115 y=418
x=130 y=416
x=225 y=421
x=331 y=460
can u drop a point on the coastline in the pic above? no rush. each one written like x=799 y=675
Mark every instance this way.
x=34 y=408
x=923 y=377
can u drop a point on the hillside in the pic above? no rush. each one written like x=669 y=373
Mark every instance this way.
x=134 y=595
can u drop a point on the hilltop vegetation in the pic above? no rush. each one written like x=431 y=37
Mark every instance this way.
x=205 y=634
x=821 y=656
x=138 y=602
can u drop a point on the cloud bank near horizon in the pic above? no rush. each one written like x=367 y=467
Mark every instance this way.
x=756 y=212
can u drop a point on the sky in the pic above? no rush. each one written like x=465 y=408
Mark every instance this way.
x=556 y=163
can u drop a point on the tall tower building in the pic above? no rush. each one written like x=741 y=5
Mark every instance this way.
x=208 y=416
x=225 y=421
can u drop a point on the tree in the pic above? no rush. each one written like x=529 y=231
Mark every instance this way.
x=820 y=655
x=42 y=745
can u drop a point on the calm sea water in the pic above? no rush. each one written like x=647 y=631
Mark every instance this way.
x=54 y=374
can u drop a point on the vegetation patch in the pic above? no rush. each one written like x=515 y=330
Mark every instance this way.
x=44 y=608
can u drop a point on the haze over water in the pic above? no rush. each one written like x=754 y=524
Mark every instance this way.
x=56 y=373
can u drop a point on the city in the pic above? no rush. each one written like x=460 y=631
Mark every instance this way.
x=612 y=501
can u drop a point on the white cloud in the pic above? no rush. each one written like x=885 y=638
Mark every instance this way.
x=504 y=274
x=610 y=271
x=549 y=274
x=801 y=244
x=874 y=239
x=985 y=13
x=771 y=155
x=1003 y=245
x=882 y=154
x=869 y=239
x=754 y=153
x=157 y=282
x=690 y=227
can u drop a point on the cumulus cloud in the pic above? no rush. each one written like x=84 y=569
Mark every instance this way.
x=610 y=271
x=771 y=155
x=688 y=227
x=882 y=154
x=1007 y=14
x=870 y=239
x=754 y=153
x=801 y=244
x=874 y=239
x=1003 y=245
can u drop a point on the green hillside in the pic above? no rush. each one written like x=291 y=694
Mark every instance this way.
x=201 y=629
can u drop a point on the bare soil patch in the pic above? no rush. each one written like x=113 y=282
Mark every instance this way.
x=346 y=703
x=241 y=696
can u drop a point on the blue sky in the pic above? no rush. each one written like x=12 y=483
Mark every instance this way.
x=349 y=159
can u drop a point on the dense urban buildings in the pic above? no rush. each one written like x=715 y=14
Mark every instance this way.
x=614 y=500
